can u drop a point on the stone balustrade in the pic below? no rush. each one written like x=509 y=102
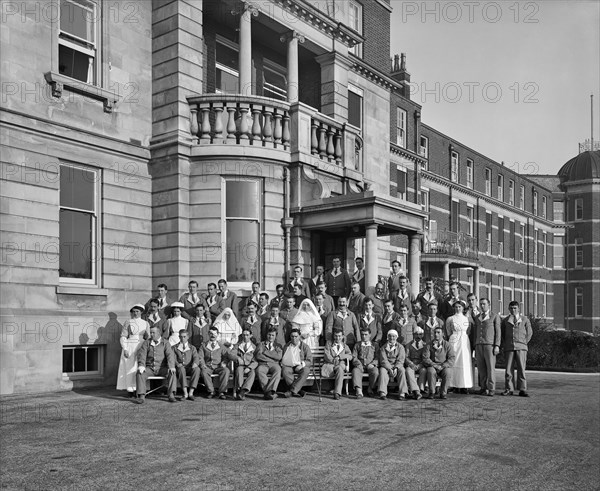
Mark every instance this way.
x=326 y=139
x=242 y=120
x=308 y=135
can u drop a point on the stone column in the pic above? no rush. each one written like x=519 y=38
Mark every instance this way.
x=334 y=85
x=371 y=257
x=476 y=281
x=414 y=261
x=446 y=277
x=245 y=57
x=293 y=82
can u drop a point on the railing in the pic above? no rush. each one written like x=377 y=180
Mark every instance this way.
x=451 y=243
x=221 y=119
x=234 y=119
x=326 y=138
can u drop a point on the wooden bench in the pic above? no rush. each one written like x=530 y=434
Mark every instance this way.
x=316 y=376
x=231 y=382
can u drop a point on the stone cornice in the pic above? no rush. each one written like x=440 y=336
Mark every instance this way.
x=403 y=152
x=427 y=175
x=305 y=11
x=372 y=74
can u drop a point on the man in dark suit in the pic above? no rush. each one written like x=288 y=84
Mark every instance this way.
x=279 y=297
x=155 y=357
x=263 y=306
x=154 y=316
x=298 y=280
x=299 y=297
x=359 y=274
x=316 y=279
x=356 y=300
x=402 y=296
x=487 y=346
x=190 y=298
x=429 y=295
x=379 y=299
x=389 y=320
x=516 y=334
x=438 y=358
x=446 y=309
x=161 y=297
x=198 y=327
x=253 y=322
x=214 y=304
x=431 y=323
x=274 y=321
x=337 y=281
x=328 y=303
x=229 y=298
x=371 y=321
x=394 y=279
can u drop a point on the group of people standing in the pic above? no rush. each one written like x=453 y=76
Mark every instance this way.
x=391 y=336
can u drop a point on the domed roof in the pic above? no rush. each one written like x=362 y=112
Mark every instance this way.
x=585 y=166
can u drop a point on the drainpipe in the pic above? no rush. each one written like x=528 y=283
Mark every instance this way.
x=286 y=222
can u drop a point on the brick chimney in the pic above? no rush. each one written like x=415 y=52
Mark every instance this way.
x=400 y=74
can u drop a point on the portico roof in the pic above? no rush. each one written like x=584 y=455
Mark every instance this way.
x=355 y=211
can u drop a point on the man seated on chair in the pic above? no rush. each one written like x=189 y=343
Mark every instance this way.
x=187 y=362
x=391 y=365
x=296 y=360
x=268 y=355
x=213 y=360
x=365 y=356
x=439 y=358
x=337 y=356
x=155 y=358
x=245 y=363
x=415 y=370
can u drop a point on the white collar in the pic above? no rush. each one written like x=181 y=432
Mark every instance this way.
x=367 y=344
x=389 y=347
x=417 y=344
x=209 y=345
x=186 y=347
x=155 y=343
x=342 y=315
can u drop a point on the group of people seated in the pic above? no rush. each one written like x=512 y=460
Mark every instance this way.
x=411 y=340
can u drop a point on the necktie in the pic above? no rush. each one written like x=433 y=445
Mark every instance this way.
x=246 y=347
x=321 y=310
x=213 y=345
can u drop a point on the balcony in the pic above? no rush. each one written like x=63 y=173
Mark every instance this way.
x=452 y=245
x=232 y=124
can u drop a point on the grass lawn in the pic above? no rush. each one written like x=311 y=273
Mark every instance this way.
x=98 y=439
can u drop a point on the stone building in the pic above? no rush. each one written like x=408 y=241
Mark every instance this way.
x=158 y=141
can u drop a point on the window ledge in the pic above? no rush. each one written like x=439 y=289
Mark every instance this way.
x=59 y=82
x=82 y=376
x=81 y=290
